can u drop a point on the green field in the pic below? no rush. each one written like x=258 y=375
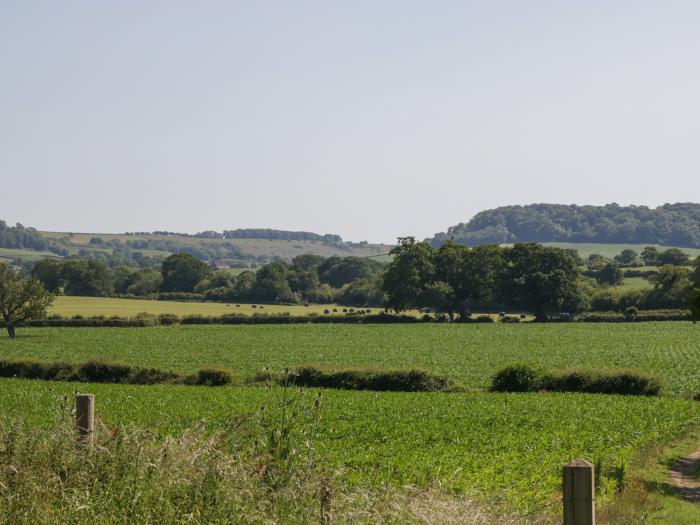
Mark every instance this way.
x=10 y=254
x=499 y=447
x=635 y=283
x=87 y=306
x=611 y=250
x=469 y=354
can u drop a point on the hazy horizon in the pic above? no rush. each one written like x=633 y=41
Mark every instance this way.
x=368 y=120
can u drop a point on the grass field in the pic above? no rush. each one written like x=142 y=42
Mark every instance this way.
x=635 y=283
x=467 y=353
x=506 y=447
x=86 y=306
x=10 y=254
x=611 y=250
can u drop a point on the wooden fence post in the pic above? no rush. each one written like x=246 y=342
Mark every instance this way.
x=579 y=493
x=85 y=417
x=325 y=497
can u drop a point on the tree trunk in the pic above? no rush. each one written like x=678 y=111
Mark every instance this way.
x=11 y=331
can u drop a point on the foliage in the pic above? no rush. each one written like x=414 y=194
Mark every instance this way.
x=541 y=279
x=670 y=225
x=21 y=299
x=181 y=273
x=524 y=378
x=212 y=377
x=694 y=304
x=397 y=380
x=610 y=274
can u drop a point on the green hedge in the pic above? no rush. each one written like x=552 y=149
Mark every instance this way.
x=398 y=380
x=524 y=378
x=639 y=316
x=109 y=372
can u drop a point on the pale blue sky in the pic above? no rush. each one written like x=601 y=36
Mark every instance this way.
x=371 y=119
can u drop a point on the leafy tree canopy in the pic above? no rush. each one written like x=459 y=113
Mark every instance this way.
x=670 y=225
x=21 y=299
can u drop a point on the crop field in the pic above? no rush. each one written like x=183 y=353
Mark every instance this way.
x=611 y=250
x=506 y=447
x=469 y=354
x=88 y=306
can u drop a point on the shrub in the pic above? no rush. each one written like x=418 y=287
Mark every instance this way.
x=104 y=372
x=517 y=378
x=29 y=369
x=524 y=378
x=398 y=380
x=510 y=319
x=212 y=377
x=623 y=382
x=168 y=319
x=151 y=376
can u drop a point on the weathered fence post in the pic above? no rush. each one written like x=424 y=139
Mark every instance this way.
x=325 y=497
x=85 y=417
x=579 y=493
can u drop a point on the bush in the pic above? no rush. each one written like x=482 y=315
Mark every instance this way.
x=104 y=372
x=517 y=378
x=29 y=369
x=510 y=319
x=524 y=378
x=371 y=379
x=168 y=319
x=212 y=377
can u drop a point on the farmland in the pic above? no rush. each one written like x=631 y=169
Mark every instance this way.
x=610 y=250
x=87 y=306
x=268 y=248
x=492 y=446
x=469 y=354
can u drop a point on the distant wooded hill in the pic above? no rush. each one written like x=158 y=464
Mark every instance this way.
x=149 y=248
x=668 y=225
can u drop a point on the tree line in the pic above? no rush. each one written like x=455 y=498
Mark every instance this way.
x=306 y=279
x=669 y=225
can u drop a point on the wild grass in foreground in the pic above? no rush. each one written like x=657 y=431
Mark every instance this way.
x=258 y=470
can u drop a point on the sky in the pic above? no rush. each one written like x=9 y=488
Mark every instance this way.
x=369 y=119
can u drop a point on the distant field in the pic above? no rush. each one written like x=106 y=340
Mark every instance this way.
x=66 y=305
x=499 y=447
x=12 y=253
x=610 y=250
x=635 y=283
x=470 y=354
x=253 y=247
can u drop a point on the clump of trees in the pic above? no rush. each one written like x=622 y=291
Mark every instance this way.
x=309 y=278
x=21 y=299
x=454 y=279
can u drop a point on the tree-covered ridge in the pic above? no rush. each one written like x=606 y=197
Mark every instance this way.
x=669 y=225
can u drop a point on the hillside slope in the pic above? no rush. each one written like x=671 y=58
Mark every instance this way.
x=143 y=248
x=667 y=225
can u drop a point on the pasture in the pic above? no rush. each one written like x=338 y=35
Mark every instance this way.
x=469 y=354
x=497 y=447
x=88 y=306
x=613 y=249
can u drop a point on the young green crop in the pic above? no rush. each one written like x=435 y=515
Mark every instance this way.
x=496 y=447
x=469 y=354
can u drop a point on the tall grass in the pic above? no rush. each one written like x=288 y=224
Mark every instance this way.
x=262 y=469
